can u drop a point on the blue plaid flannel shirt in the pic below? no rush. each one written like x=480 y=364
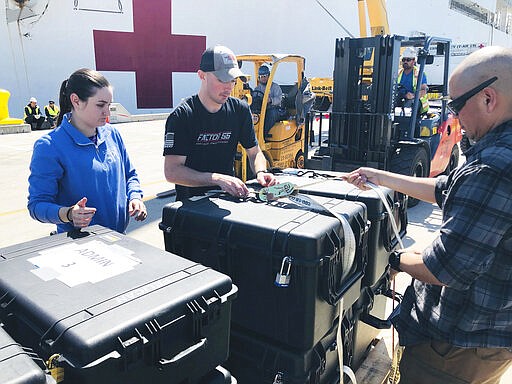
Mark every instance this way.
x=472 y=255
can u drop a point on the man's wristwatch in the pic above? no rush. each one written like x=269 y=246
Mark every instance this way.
x=394 y=260
x=263 y=170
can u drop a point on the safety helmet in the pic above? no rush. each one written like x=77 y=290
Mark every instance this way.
x=33 y=99
x=409 y=52
x=263 y=70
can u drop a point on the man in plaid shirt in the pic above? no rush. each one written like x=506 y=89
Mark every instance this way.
x=456 y=317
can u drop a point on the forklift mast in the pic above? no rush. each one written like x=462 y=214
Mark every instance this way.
x=365 y=74
x=365 y=128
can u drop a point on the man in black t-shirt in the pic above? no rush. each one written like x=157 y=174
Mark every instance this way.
x=202 y=133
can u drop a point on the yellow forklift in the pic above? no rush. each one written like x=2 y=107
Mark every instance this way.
x=283 y=143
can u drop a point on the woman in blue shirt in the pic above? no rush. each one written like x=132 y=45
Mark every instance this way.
x=80 y=173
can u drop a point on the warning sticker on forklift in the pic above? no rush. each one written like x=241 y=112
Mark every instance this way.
x=78 y=263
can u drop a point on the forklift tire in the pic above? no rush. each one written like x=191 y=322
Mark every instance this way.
x=299 y=160
x=454 y=160
x=411 y=161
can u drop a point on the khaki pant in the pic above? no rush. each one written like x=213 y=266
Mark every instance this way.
x=441 y=363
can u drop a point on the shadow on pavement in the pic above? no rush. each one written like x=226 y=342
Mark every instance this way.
x=426 y=215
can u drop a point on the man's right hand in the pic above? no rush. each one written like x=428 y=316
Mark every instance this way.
x=230 y=184
x=361 y=176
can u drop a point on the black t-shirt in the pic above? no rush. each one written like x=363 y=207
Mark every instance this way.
x=208 y=140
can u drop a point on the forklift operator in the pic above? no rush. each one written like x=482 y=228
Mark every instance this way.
x=274 y=98
x=408 y=80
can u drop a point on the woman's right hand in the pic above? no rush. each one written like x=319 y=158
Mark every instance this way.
x=80 y=215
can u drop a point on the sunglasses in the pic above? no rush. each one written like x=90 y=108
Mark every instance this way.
x=406 y=59
x=459 y=102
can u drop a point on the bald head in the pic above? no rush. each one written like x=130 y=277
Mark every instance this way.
x=482 y=65
x=492 y=106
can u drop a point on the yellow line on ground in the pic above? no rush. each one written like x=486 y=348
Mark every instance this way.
x=156 y=182
x=13 y=212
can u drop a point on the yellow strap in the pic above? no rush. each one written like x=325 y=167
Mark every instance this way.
x=394 y=372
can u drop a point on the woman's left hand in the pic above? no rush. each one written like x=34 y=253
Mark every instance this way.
x=137 y=209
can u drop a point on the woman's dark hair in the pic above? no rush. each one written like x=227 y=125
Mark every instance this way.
x=85 y=83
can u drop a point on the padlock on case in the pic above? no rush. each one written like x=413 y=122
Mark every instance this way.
x=283 y=276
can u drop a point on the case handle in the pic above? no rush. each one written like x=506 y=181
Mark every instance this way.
x=201 y=344
x=383 y=323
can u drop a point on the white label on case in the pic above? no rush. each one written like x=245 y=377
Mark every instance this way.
x=78 y=263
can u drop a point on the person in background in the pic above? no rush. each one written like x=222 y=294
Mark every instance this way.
x=455 y=319
x=32 y=114
x=408 y=80
x=52 y=113
x=80 y=173
x=202 y=133
x=274 y=98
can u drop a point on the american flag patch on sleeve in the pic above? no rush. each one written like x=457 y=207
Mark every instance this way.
x=169 y=140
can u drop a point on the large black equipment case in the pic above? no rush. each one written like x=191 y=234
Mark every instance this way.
x=20 y=365
x=255 y=360
x=156 y=318
x=382 y=239
x=258 y=244
x=371 y=305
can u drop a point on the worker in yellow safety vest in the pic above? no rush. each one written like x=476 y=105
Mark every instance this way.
x=32 y=114
x=52 y=113
x=408 y=80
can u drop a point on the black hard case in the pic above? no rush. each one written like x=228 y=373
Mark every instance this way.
x=254 y=360
x=248 y=240
x=20 y=365
x=382 y=239
x=165 y=321
x=219 y=375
